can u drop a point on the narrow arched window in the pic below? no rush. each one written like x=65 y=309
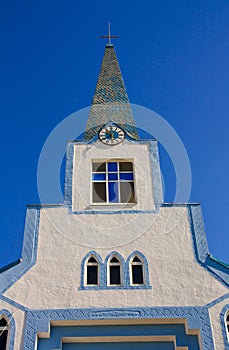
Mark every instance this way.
x=227 y=324
x=3 y=333
x=114 y=271
x=92 y=271
x=136 y=271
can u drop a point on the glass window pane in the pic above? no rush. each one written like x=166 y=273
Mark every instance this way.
x=3 y=322
x=98 y=167
x=112 y=166
x=3 y=339
x=92 y=274
x=126 y=176
x=125 y=166
x=99 y=192
x=113 y=192
x=115 y=277
x=92 y=260
x=137 y=274
x=127 y=192
x=99 y=176
x=136 y=259
x=115 y=260
x=113 y=176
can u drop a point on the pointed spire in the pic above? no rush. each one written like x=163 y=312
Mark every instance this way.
x=110 y=101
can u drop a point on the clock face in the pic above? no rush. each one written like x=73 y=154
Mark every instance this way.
x=111 y=135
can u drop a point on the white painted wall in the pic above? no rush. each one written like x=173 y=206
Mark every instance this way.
x=175 y=277
x=85 y=154
x=164 y=238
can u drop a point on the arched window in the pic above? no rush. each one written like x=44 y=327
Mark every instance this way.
x=3 y=333
x=227 y=324
x=136 y=271
x=92 y=271
x=114 y=271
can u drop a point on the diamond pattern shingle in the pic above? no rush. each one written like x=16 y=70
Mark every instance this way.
x=110 y=101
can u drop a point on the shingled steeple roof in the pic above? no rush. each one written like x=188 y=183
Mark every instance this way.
x=110 y=101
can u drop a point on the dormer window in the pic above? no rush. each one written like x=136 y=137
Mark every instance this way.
x=113 y=182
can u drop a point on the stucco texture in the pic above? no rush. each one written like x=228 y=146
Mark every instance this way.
x=176 y=278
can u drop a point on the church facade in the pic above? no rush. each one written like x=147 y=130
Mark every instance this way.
x=114 y=266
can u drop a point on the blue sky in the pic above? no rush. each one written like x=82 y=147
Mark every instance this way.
x=174 y=57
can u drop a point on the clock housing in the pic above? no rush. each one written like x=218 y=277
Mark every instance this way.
x=111 y=135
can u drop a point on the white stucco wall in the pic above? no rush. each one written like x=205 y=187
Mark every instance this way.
x=175 y=277
x=164 y=238
x=137 y=153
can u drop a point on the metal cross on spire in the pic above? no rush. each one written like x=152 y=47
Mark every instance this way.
x=109 y=36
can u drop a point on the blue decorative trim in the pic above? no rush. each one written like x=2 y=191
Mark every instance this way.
x=29 y=252
x=104 y=272
x=68 y=174
x=218 y=300
x=145 y=271
x=156 y=174
x=11 y=331
x=14 y=303
x=197 y=318
x=223 y=314
x=12 y=264
x=217 y=269
x=110 y=212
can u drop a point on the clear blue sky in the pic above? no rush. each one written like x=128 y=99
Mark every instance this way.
x=174 y=57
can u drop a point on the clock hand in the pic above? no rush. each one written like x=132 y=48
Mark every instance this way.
x=110 y=132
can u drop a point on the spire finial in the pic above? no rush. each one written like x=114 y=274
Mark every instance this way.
x=109 y=36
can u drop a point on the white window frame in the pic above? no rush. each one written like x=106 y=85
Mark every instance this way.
x=134 y=263
x=120 y=160
x=109 y=263
x=97 y=264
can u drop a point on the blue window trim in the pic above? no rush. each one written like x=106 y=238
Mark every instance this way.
x=103 y=274
x=145 y=271
x=122 y=266
x=11 y=330
x=224 y=312
x=83 y=271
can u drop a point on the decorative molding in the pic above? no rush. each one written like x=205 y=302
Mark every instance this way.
x=197 y=318
x=29 y=251
x=219 y=270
